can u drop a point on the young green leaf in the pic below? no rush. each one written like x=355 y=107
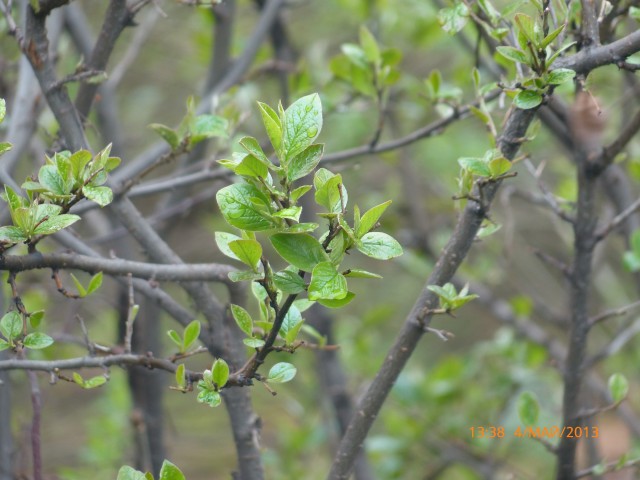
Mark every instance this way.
x=181 y=379
x=252 y=146
x=253 y=342
x=299 y=249
x=247 y=251
x=299 y=192
x=379 y=245
x=281 y=373
x=237 y=205
x=337 y=303
x=301 y=126
x=210 y=397
x=82 y=292
x=175 y=338
x=55 y=224
x=11 y=325
x=191 y=334
x=243 y=276
x=95 y=283
x=369 y=45
x=327 y=283
x=292 y=213
x=305 y=162
x=103 y=196
x=331 y=194
x=129 y=473
x=357 y=273
x=94 y=382
x=207 y=126
x=37 y=341
x=3 y=109
x=499 y=166
x=618 y=387
x=289 y=281
x=170 y=472
x=514 y=54
x=453 y=19
x=11 y=234
x=168 y=135
x=370 y=218
x=243 y=319
x=272 y=125
x=35 y=318
x=220 y=372
x=528 y=408
x=527 y=99
x=223 y=239
x=560 y=76
x=476 y=166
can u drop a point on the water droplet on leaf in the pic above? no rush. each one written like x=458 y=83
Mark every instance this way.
x=312 y=131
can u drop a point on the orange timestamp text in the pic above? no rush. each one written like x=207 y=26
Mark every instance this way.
x=555 y=431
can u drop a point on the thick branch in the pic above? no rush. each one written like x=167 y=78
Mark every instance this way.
x=405 y=343
x=115 y=266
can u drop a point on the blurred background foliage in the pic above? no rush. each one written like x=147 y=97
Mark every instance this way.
x=470 y=381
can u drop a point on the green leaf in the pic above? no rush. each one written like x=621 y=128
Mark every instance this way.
x=220 y=372
x=11 y=234
x=291 y=319
x=210 y=397
x=356 y=55
x=35 y=318
x=3 y=109
x=552 y=36
x=477 y=166
x=82 y=292
x=330 y=194
x=14 y=200
x=253 y=342
x=302 y=125
x=301 y=228
x=272 y=125
x=248 y=252
x=11 y=325
x=379 y=245
x=78 y=162
x=327 y=283
x=191 y=334
x=175 y=338
x=128 y=473
x=527 y=29
x=560 y=76
x=527 y=99
x=37 y=341
x=77 y=378
x=5 y=147
x=223 y=239
x=292 y=213
x=181 y=379
x=4 y=345
x=170 y=472
x=370 y=218
x=94 y=382
x=243 y=319
x=57 y=223
x=514 y=54
x=252 y=146
x=299 y=192
x=634 y=12
x=369 y=45
x=95 y=283
x=281 y=373
x=103 y=196
x=50 y=178
x=168 y=134
x=499 y=166
x=528 y=408
x=207 y=126
x=243 y=276
x=305 y=162
x=237 y=207
x=337 y=303
x=453 y=19
x=631 y=261
x=289 y=282
x=299 y=249
x=357 y=273
x=618 y=387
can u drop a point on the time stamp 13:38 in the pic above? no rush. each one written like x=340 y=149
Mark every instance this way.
x=554 y=431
